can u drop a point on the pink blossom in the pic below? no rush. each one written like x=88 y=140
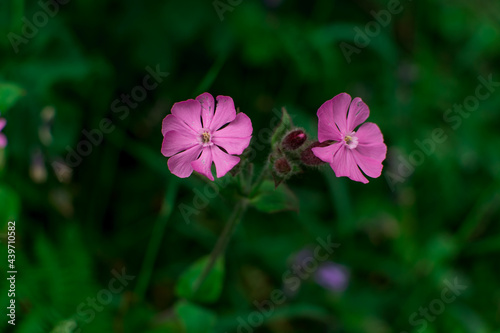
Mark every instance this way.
x=3 y=139
x=195 y=135
x=353 y=148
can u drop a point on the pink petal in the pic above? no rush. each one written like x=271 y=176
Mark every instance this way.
x=180 y=164
x=371 y=167
x=235 y=137
x=371 y=142
x=203 y=164
x=240 y=127
x=224 y=112
x=172 y=123
x=326 y=153
x=377 y=151
x=207 y=108
x=3 y=121
x=233 y=145
x=344 y=165
x=358 y=113
x=369 y=134
x=3 y=141
x=175 y=142
x=223 y=162
x=189 y=112
x=332 y=118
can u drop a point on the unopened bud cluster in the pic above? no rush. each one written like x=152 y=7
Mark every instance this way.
x=292 y=151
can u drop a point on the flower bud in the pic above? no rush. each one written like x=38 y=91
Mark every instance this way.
x=294 y=140
x=307 y=156
x=282 y=166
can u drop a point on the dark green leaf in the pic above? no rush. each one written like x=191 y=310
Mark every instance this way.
x=209 y=290
x=195 y=319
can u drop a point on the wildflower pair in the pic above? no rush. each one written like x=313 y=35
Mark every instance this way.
x=201 y=132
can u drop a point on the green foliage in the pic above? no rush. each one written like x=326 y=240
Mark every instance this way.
x=209 y=289
x=63 y=279
x=121 y=207
x=272 y=199
x=10 y=206
x=194 y=318
x=9 y=94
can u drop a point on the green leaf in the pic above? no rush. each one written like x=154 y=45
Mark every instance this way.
x=270 y=199
x=9 y=94
x=280 y=131
x=210 y=289
x=195 y=319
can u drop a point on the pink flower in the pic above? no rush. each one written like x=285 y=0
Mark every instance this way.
x=3 y=139
x=194 y=136
x=363 y=148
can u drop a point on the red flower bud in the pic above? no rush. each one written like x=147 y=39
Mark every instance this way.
x=294 y=140
x=308 y=158
x=282 y=166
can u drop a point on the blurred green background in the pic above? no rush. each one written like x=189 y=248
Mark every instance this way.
x=120 y=208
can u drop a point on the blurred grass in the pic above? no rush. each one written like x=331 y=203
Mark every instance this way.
x=121 y=206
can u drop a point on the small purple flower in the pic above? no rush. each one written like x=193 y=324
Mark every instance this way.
x=3 y=138
x=329 y=275
x=332 y=276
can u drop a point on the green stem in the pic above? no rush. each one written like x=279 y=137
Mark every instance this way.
x=230 y=227
x=155 y=240
x=220 y=246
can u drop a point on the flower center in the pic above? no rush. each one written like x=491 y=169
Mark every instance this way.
x=351 y=140
x=205 y=137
